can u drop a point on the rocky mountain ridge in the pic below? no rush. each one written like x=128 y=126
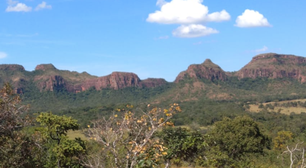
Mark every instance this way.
x=47 y=77
x=269 y=65
x=273 y=66
x=207 y=70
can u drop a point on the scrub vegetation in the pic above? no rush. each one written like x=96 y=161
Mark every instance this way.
x=145 y=135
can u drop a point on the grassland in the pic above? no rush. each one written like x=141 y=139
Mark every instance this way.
x=278 y=107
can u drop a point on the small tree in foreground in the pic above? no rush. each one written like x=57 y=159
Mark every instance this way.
x=61 y=152
x=11 y=112
x=15 y=145
x=127 y=139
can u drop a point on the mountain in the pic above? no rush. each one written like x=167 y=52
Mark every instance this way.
x=207 y=70
x=266 y=77
x=48 y=78
x=269 y=65
x=273 y=65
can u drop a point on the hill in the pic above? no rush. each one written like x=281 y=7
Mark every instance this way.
x=267 y=77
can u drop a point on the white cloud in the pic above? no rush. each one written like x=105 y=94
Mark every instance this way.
x=3 y=55
x=251 y=18
x=218 y=16
x=14 y=6
x=185 y=12
x=160 y=3
x=43 y=5
x=193 y=30
x=263 y=49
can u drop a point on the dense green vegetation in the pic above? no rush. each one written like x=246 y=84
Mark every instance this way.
x=61 y=99
x=232 y=137
x=223 y=133
x=199 y=107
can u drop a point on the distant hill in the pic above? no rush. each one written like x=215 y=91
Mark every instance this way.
x=267 y=77
x=269 y=65
x=273 y=65
x=48 y=78
x=207 y=70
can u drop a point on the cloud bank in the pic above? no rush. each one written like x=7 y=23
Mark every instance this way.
x=251 y=18
x=185 y=12
x=190 y=14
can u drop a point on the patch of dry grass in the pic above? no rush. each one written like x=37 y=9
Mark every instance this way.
x=284 y=110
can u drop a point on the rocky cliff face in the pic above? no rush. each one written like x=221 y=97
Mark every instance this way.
x=50 y=83
x=50 y=78
x=273 y=65
x=47 y=78
x=116 y=80
x=207 y=70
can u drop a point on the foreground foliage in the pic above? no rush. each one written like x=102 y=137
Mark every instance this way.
x=15 y=145
x=182 y=145
x=127 y=139
x=61 y=151
x=146 y=137
x=233 y=141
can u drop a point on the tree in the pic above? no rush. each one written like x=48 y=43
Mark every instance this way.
x=11 y=112
x=60 y=151
x=231 y=141
x=15 y=145
x=182 y=145
x=127 y=139
x=283 y=139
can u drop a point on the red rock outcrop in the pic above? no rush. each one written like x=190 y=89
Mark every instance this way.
x=116 y=80
x=45 y=67
x=207 y=70
x=50 y=83
x=49 y=78
x=273 y=65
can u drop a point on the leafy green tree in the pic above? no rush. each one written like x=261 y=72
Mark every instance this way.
x=232 y=141
x=182 y=145
x=60 y=151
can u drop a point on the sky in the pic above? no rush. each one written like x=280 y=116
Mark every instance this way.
x=151 y=38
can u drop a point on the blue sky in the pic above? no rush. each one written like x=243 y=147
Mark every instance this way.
x=148 y=37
